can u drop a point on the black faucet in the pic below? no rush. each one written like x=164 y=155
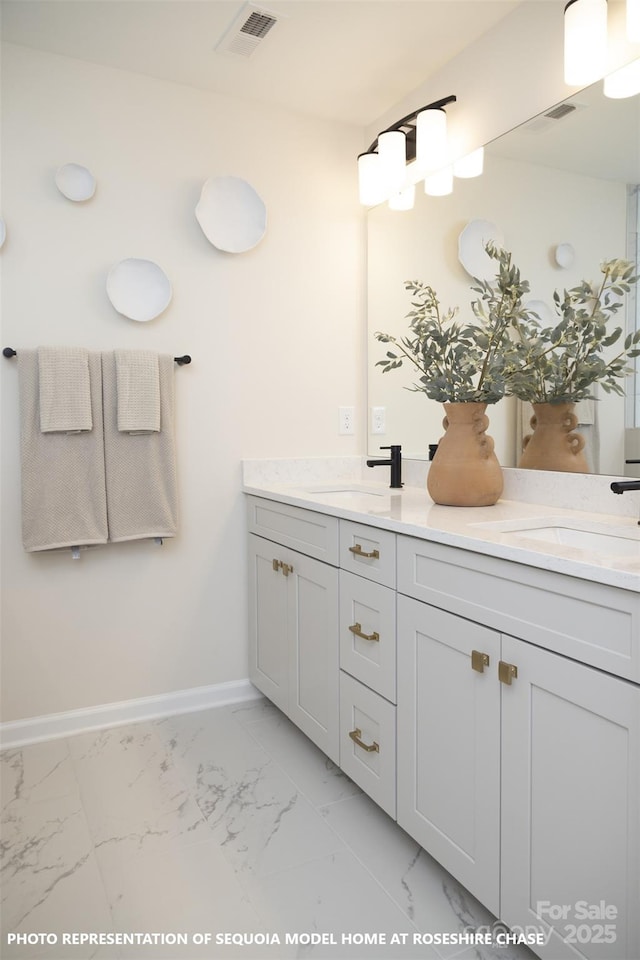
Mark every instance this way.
x=619 y=486
x=394 y=461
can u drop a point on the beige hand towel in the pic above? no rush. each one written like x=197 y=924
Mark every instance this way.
x=63 y=489
x=138 y=390
x=64 y=390
x=142 y=499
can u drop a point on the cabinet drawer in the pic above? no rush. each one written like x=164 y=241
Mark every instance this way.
x=591 y=622
x=313 y=534
x=369 y=552
x=368 y=633
x=368 y=741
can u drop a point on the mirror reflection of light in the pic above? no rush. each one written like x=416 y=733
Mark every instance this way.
x=633 y=20
x=585 y=41
x=470 y=166
x=624 y=82
x=439 y=184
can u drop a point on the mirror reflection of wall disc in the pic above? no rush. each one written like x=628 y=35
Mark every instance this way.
x=471 y=252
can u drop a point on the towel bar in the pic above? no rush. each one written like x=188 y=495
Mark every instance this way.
x=181 y=361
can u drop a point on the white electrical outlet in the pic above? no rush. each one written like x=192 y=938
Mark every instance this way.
x=347 y=416
x=378 y=420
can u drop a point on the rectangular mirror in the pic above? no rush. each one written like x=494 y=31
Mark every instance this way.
x=561 y=191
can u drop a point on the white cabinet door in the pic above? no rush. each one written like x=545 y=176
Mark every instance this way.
x=293 y=638
x=268 y=630
x=314 y=677
x=448 y=750
x=571 y=805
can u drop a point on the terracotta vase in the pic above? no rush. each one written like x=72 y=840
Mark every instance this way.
x=553 y=445
x=465 y=471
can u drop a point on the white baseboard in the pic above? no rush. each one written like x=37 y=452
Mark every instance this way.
x=18 y=733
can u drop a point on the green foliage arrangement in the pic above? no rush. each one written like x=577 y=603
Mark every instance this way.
x=561 y=363
x=463 y=361
x=507 y=350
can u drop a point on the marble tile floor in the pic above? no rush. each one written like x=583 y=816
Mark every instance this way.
x=223 y=825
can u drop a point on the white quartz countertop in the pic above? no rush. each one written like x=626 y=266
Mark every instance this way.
x=514 y=531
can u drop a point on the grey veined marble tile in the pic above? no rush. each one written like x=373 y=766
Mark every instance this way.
x=317 y=777
x=338 y=900
x=133 y=798
x=422 y=888
x=50 y=878
x=255 y=812
x=41 y=771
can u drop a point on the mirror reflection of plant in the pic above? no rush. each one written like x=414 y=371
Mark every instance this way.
x=562 y=362
x=463 y=361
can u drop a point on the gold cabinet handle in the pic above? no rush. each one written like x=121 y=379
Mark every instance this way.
x=276 y=564
x=356 y=629
x=287 y=569
x=359 y=552
x=479 y=660
x=369 y=747
x=507 y=672
x=280 y=565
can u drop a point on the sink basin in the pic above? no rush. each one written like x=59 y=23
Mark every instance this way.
x=604 y=543
x=347 y=491
x=593 y=537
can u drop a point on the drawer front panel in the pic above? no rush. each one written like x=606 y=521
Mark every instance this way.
x=313 y=534
x=591 y=622
x=368 y=742
x=368 y=552
x=368 y=633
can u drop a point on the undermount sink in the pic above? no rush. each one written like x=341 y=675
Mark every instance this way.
x=592 y=537
x=347 y=491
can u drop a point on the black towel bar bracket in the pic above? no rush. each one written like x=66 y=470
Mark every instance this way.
x=181 y=361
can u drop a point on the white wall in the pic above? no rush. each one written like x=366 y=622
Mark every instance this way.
x=277 y=339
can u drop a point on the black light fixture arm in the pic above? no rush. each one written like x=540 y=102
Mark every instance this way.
x=409 y=120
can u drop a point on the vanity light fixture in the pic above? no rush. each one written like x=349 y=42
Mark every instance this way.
x=624 y=82
x=404 y=200
x=585 y=41
x=403 y=154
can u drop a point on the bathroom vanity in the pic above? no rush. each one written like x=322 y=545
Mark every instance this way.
x=477 y=672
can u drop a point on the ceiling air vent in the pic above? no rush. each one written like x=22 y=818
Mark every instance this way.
x=247 y=31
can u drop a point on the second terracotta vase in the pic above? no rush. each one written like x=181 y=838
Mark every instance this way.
x=465 y=471
x=553 y=445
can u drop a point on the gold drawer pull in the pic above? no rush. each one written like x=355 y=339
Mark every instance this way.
x=356 y=628
x=359 y=552
x=369 y=747
x=507 y=672
x=479 y=660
